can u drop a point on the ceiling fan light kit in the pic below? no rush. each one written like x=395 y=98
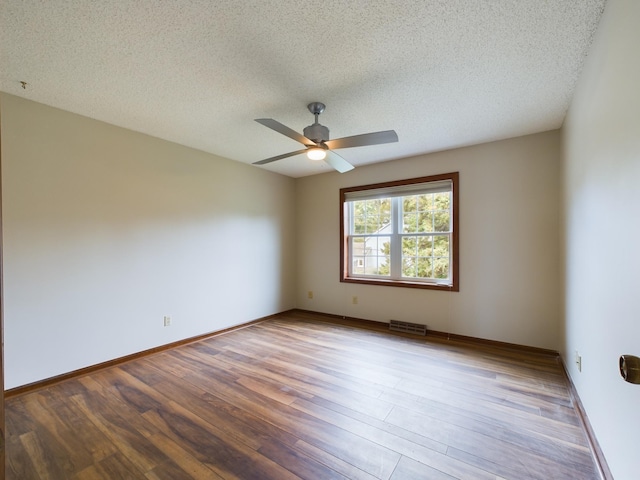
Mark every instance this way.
x=317 y=144
x=316 y=154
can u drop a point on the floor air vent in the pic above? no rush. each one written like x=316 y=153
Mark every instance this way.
x=407 y=327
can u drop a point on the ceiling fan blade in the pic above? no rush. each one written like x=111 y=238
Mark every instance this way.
x=284 y=130
x=337 y=162
x=375 y=138
x=280 y=157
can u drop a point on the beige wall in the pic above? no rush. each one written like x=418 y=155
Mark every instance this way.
x=106 y=231
x=602 y=230
x=509 y=244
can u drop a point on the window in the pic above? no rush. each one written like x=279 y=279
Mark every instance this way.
x=402 y=233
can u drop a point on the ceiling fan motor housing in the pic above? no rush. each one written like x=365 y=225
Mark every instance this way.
x=316 y=132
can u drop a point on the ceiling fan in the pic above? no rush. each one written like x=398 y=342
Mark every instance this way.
x=317 y=143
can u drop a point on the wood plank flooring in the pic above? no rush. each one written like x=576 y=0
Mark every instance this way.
x=301 y=397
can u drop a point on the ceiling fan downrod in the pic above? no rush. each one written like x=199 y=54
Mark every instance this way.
x=316 y=132
x=316 y=108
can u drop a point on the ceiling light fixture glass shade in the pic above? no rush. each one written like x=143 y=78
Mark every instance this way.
x=316 y=153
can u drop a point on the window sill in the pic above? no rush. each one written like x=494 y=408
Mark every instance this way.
x=402 y=283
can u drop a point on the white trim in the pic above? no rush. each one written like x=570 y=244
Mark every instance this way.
x=396 y=235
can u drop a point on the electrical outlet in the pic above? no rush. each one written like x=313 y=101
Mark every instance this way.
x=167 y=321
x=354 y=300
x=310 y=294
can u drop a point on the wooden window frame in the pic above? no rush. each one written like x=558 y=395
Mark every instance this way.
x=454 y=285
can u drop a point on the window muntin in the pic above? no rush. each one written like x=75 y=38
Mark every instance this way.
x=401 y=233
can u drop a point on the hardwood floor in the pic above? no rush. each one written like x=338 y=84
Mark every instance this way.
x=300 y=397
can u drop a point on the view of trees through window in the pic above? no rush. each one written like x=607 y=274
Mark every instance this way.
x=420 y=226
x=372 y=220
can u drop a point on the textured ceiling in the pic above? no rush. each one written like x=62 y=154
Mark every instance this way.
x=442 y=73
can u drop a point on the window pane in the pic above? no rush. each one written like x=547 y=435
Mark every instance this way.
x=425 y=256
x=385 y=206
x=425 y=202
x=357 y=247
x=358 y=265
x=409 y=245
x=425 y=222
x=385 y=221
x=441 y=246
x=417 y=213
x=417 y=267
x=442 y=201
x=375 y=265
x=371 y=216
x=425 y=267
x=384 y=267
x=408 y=266
x=419 y=245
x=409 y=204
x=409 y=222
x=441 y=221
x=370 y=255
x=425 y=246
x=426 y=213
x=442 y=215
x=416 y=256
x=441 y=267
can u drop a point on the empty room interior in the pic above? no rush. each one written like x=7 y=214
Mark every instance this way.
x=186 y=293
